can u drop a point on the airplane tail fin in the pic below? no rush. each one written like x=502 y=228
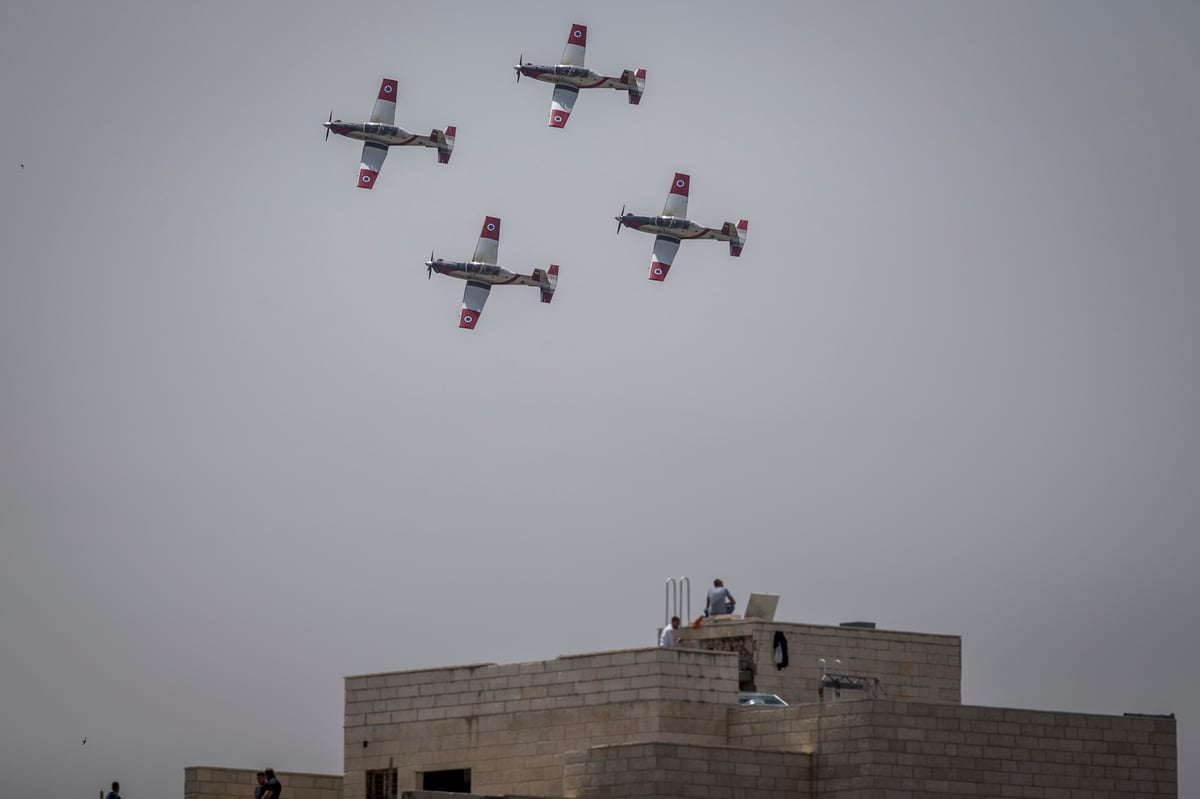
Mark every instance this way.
x=548 y=281
x=738 y=236
x=445 y=143
x=637 y=84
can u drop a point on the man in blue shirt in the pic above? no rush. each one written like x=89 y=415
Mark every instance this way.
x=720 y=601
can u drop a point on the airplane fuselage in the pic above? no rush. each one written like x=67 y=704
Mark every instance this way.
x=667 y=226
x=375 y=132
x=481 y=273
x=579 y=77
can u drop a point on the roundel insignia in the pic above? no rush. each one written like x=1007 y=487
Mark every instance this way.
x=468 y=318
x=388 y=88
x=679 y=183
x=658 y=271
x=491 y=226
x=366 y=178
x=558 y=117
x=578 y=34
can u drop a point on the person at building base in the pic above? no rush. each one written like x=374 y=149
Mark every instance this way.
x=272 y=788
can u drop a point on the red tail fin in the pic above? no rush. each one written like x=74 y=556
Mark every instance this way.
x=735 y=247
x=446 y=145
x=552 y=279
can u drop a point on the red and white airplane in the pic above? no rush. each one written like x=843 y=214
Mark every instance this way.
x=570 y=75
x=381 y=132
x=481 y=273
x=673 y=226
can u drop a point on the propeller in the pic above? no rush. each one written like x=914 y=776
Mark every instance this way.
x=327 y=125
x=520 y=61
x=429 y=270
x=619 y=218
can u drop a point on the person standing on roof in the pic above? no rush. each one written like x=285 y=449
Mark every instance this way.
x=670 y=634
x=720 y=601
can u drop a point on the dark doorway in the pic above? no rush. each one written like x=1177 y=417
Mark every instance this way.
x=377 y=784
x=455 y=780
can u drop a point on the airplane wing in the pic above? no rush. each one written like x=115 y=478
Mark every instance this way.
x=677 y=200
x=489 y=242
x=372 y=162
x=574 y=52
x=474 y=297
x=385 y=103
x=665 y=248
x=561 y=104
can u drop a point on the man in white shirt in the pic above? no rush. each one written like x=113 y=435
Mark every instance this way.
x=670 y=635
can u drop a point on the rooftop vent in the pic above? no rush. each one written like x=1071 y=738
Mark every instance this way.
x=861 y=625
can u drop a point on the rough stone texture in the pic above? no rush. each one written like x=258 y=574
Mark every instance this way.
x=886 y=749
x=681 y=770
x=910 y=666
x=512 y=724
x=665 y=722
x=203 y=782
x=447 y=795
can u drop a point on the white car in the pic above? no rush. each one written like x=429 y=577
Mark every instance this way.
x=760 y=700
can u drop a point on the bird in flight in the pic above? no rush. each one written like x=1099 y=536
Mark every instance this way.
x=84 y=742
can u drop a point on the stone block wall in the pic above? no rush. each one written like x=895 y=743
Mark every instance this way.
x=447 y=795
x=202 y=782
x=910 y=666
x=679 y=770
x=926 y=749
x=512 y=725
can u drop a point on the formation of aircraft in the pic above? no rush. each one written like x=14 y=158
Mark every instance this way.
x=380 y=132
x=673 y=226
x=482 y=272
x=569 y=75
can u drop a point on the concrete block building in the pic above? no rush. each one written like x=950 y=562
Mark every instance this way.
x=888 y=722
x=201 y=782
x=871 y=714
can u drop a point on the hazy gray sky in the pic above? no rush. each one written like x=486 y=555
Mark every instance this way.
x=950 y=386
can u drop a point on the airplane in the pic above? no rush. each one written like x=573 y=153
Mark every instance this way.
x=673 y=226
x=570 y=75
x=481 y=273
x=381 y=132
